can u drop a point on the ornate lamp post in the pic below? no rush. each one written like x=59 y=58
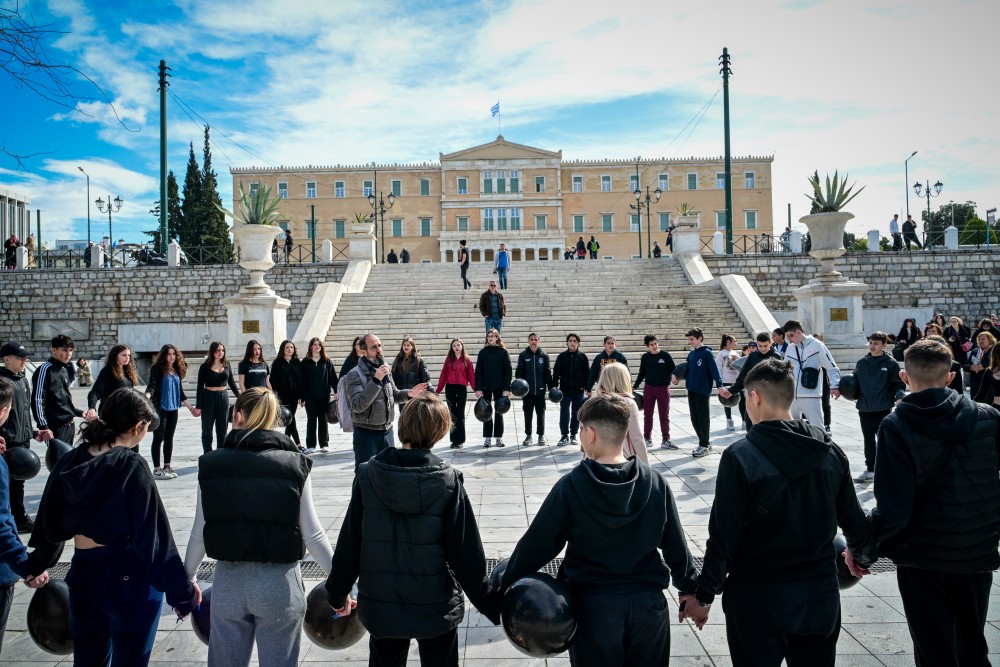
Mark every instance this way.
x=379 y=205
x=639 y=206
x=917 y=187
x=112 y=206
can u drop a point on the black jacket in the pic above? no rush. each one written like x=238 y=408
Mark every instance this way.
x=51 y=402
x=416 y=374
x=319 y=379
x=614 y=521
x=937 y=488
x=286 y=380
x=599 y=362
x=655 y=370
x=410 y=540
x=251 y=491
x=105 y=385
x=571 y=371
x=18 y=430
x=112 y=499
x=908 y=338
x=879 y=383
x=980 y=382
x=753 y=359
x=780 y=494
x=493 y=368
x=534 y=368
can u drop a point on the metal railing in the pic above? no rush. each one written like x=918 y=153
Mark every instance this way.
x=209 y=254
x=757 y=244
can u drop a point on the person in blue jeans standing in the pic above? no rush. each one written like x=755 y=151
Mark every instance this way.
x=492 y=307
x=501 y=264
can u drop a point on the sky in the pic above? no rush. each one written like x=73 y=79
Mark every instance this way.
x=848 y=85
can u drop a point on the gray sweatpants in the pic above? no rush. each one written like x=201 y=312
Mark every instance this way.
x=810 y=408
x=262 y=600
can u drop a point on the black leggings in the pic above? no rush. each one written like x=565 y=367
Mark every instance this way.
x=214 y=415
x=165 y=435
x=493 y=427
x=456 y=395
x=291 y=430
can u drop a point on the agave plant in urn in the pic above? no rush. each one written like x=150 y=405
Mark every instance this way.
x=254 y=231
x=826 y=221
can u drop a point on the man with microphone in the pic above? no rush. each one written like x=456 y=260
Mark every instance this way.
x=372 y=395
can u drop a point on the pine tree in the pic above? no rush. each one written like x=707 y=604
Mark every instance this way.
x=173 y=213
x=190 y=232
x=213 y=221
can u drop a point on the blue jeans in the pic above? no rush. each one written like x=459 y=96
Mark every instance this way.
x=368 y=443
x=574 y=400
x=494 y=323
x=502 y=276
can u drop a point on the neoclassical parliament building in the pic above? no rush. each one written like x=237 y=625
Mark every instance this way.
x=527 y=198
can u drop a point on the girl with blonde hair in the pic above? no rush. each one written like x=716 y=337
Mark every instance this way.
x=615 y=379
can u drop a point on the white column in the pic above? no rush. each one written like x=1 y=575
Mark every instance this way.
x=443 y=256
x=873 y=241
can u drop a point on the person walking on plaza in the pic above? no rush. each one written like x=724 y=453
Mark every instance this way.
x=457 y=376
x=166 y=390
x=897 y=238
x=937 y=498
x=318 y=380
x=581 y=249
x=570 y=375
x=533 y=368
x=910 y=233
x=657 y=250
x=701 y=374
x=286 y=379
x=492 y=307
x=593 y=246
x=253 y=371
x=392 y=257
x=118 y=373
x=781 y=492
x=765 y=350
x=463 y=263
x=215 y=381
x=724 y=360
x=372 y=396
x=809 y=357
x=501 y=265
x=493 y=376
x=609 y=355
x=15 y=431
x=288 y=246
x=404 y=256
x=879 y=389
x=254 y=515
x=51 y=403
x=655 y=368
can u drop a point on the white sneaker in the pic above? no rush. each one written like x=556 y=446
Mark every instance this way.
x=700 y=451
x=170 y=471
x=563 y=441
x=573 y=440
x=159 y=474
x=310 y=450
x=649 y=443
x=487 y=443
x=666 y=444
x=499 y=443
x=865 y=477
x=730 y=426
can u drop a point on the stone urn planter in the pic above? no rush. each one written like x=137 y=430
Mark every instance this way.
x=826 y=239
x=254 y=243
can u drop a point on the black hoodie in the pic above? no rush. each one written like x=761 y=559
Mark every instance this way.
x=611 y=519
x=937 y=487
x=780 y=494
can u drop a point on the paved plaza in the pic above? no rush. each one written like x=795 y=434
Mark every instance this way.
x=507 y=486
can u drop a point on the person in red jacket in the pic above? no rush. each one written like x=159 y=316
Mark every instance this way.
x=457 y=376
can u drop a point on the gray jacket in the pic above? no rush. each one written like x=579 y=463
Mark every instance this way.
x=371 y=401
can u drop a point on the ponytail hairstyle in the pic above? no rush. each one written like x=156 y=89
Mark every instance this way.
x=259 y=407
x=122 y=372
x=120 y=412
x=726 y=338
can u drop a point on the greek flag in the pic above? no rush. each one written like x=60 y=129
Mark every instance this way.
x=495 y=109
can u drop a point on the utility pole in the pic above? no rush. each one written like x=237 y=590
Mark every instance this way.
x=312 y=229
x=163 y=156
x=726 y=72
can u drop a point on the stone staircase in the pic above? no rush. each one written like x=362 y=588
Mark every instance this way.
x=627 y=298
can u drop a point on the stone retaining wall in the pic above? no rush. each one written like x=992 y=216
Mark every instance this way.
x=107 y=298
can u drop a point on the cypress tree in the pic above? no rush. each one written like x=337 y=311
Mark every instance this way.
x=213 y=221
x=174 y=216
x=190 y=224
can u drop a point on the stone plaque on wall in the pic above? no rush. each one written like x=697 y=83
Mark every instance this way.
x=838 y=314
x=251 y=326
x=47 y=329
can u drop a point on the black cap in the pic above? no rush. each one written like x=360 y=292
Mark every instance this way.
x=13 y=349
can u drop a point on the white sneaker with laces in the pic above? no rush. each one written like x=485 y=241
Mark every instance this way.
x=666 y=444
x=159 y=474
x=700 y=451
x=865 y=477
x=310 y=450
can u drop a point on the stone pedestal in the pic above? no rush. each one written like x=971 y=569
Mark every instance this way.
x=361 y=245
x=873 y=241
x=951 y=238
x=686 y=237
x=261 y=317
x=173 y=254
x=833 y=309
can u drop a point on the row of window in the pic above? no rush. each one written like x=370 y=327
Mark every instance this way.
x=663 y=182
x=608 y=219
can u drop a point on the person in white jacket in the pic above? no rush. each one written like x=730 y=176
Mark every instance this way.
x=809 y=357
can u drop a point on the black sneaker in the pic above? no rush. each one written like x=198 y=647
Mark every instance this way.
x=25 y=525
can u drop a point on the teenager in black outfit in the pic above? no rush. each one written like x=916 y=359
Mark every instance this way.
x=655 y=367
x=215 y=380
x=118 y=373
x=765 y=350
x=463 y=262
x=493 y=375
x=166 y=389
x=570 y=375
x=286 y=378
x=253 y=370
x=319 y=381
x=17 y=431
x=533 y=367
x=351 y=360
x=51 y=403
x=408 y=369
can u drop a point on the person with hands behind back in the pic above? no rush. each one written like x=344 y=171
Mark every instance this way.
x=493 y=376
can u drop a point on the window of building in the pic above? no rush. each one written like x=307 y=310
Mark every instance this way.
x=397 y=187
x=488 y=219
x=750 y=218
x=310 y=230
x=425 y=226
x=515 y=219
x=338 y=189
x=578 y=184
x=463 y=186
x=664 y=182
x=283 y=224
x=692 y=181
x=636 y=219
x=283 y=190
x=577 y=224
x=368 y=188
x=720 y=219
x=664 y=221
x=340 y=228
x=501 y=181
x=540 y=222
x=606 y=183
x=720 y=180
x=749 y=180
x=425 y=187
x=463 y=223
x=487 y=183
x=515 y=181
x=633 y=182
x=310 y=190
x=397 y=227
x=607 y=223
x=539 y=184
x=501 y=218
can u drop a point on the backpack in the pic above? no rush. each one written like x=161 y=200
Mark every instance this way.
x=344 y=406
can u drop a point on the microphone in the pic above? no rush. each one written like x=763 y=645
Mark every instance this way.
x=379 y=362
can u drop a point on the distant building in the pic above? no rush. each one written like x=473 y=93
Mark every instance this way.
x=528 y=198
x=15 y=214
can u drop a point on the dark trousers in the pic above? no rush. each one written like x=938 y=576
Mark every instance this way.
x=368 y=443
x=456 y=395
x=440 y=651
x=698 y=405
x=826 y=400
x=726 y=409
x=493 y=427
x=110 y=625
x=593 y=254
x=214 y=415
x=6 y=597
x=291 y=430
x=165 y=436
x=16 y=487
x=534 y=404
x=911 y=237
x=869 y=429
x=465 y=278
x=946 y=614
x=652 y=396
x=64 y=432
x=743 y=410
x=897 y=242
x=621 y=629
x=568 y=407
x=798 y=621
x=316 y=420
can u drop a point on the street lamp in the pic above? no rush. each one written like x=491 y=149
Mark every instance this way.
x=88 y=204
x=917 y=187
x=639 y=205
x=378 y=203
x=906 y=181
x=114 y=206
